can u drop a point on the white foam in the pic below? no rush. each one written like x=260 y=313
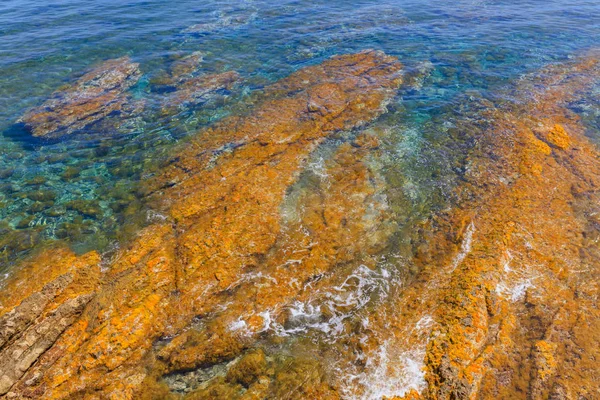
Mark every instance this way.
x=319 y=169
x=254 y=276
x=340 y=302
x=519 y=290
x=506 y=261
x=3 y=279
x=514 y=292
x=424 y=323
x=238 y=325
x=517 y=279
x=393 y=370
x=388 y=373
x=465 y=247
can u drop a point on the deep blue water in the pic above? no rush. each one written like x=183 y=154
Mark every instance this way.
x=465 y=47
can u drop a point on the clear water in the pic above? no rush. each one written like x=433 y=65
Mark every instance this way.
x=471 y=45
x=468 y=48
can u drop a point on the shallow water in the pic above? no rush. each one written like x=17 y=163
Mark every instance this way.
x=457 y=54
x=471 y=46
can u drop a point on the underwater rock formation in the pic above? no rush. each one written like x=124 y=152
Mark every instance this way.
x=231 y=19
x=184 y=68
x=185 y=84
x=97 y=94
x=198 y=90
x=221 y=197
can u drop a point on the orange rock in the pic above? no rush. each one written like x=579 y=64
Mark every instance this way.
x=523 y=266
x=558 y=137
x=497 y=309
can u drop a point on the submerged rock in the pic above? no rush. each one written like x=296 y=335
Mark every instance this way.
x=198 y=90
x=185 y=85
x=87 y=208
x=97 y=94
x=180 y=70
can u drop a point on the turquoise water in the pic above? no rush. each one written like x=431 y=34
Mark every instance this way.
x=458 y=50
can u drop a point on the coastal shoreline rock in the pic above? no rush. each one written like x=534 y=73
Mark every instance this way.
x=509 y=279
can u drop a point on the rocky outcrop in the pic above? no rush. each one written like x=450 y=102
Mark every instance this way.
x=94 y=96
x=33 y=342
x=221 y=197
x=33 y=326
x=340 y=221
x=511 y=277
x=20 y=318
x=502 y=301
x=99 y=101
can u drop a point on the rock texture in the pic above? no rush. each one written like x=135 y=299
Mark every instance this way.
x=221 y=197
x=511 y=278
x=97 y=94
x=33 y=342
x=503 y=303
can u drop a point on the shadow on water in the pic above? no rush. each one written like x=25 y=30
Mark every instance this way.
x=18 y=133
